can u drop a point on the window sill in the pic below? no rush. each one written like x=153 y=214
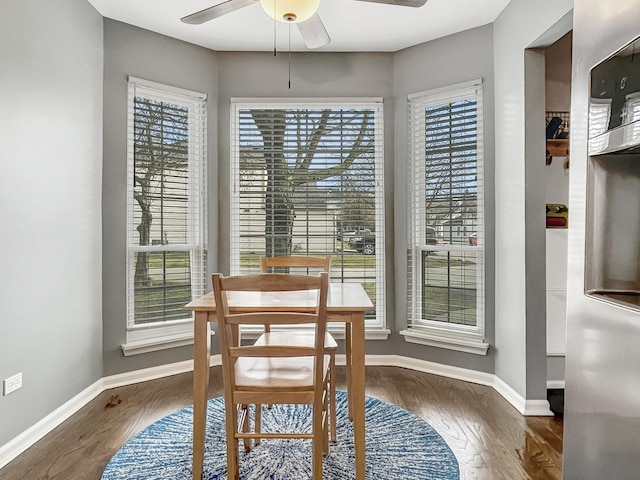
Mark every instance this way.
x=469 y=345
x=338 y=334
x=158 y=338
x=179 y=336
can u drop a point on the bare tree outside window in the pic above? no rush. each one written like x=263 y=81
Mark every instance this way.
x=309 y=182
x=162 y=213
x=305 y=148
x=160 y=171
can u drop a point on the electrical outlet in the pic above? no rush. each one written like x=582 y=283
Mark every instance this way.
x=12 y=383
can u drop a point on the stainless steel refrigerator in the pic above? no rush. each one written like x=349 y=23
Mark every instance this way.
x=602 y=393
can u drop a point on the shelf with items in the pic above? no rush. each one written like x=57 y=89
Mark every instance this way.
x=558 y=147
x=557 y=132
x=557 y=215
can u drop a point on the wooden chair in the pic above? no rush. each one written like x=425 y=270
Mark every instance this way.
x=275 y=374
x=296 y=261
x=303 y=338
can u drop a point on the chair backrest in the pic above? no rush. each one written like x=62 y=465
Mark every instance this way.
x=229 y=321
x=296 y=261
x=283 y=264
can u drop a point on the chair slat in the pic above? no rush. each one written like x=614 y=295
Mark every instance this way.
x=270 y=318
x=278 y=282
x=272 y=351
x=296 y=261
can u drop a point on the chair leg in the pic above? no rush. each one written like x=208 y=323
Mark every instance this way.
x=319 y=433
x=258 y=422
x=233 y=472
x=332 y=396
x=347 y=347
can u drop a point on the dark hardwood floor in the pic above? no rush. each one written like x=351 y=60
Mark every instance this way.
x=490 y=439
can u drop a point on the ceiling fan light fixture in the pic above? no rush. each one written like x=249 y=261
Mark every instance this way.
x=290 y=11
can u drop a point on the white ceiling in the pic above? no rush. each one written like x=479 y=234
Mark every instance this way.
x=353 y=26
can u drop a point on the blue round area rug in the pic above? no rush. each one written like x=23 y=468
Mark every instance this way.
x=399 y=445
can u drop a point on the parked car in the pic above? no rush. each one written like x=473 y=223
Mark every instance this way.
x=364 y=241
x=346 y=235
x=432 y=239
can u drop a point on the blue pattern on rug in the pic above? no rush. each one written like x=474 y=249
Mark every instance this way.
x=399 y=445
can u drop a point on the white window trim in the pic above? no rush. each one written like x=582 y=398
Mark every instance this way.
x=175 y=334
x=163 y=335
x=464 y=338
x=460 y=341
x=377 y=330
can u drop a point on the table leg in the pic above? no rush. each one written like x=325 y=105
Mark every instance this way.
x=347 y=352
x=201 y=356
x=357 y=391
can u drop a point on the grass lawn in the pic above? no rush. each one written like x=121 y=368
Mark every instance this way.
x=166 y=300
x=338 y=260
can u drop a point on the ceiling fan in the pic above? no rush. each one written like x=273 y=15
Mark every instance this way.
x=304 y=13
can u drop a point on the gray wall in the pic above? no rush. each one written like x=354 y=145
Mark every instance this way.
x=520 y=326
x=602 y=402
x=50 y=189
x=557 y=58
x=133 y=51
x=446 y=61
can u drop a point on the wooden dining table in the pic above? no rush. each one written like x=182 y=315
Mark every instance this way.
x=346 y=303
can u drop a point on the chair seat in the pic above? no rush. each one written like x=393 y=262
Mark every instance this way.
x=295 y=337
x=285 y=373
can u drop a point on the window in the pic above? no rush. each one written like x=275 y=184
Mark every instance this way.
x=165 y=211
x=307 y=179
x=445 y=256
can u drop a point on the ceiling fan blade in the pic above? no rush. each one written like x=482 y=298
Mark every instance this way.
x=216 y=11
x=399 y=3
x=313 y=32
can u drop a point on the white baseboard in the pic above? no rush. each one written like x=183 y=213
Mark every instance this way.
x=525 y=407
x=537 y=408
x=19 y=444
x=15 y=447
x=153 y=373
x=534 y=408
x=424 y=366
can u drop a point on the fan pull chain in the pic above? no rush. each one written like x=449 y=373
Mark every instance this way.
x=274 y=29
x=289 y=56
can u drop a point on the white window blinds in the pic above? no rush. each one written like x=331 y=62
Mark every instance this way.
x=445 y=258
x=307 y=179
x=166 y=202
